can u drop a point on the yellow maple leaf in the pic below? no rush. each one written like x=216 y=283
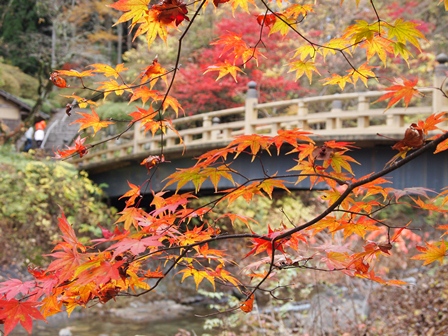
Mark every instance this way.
x=107 y=70
x=282 y=25
x=306 y=51
x=113 y=86
x=197 y=275
x=338 y=79
x=244 y=4
x=405 y=31
x=301 y=68
x=224 y=68
x=364 y=72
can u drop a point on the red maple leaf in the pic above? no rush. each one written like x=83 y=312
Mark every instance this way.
x=15 y=311
x=171 y=11
x=78 y=147
x=260 y=245
x=402 y=89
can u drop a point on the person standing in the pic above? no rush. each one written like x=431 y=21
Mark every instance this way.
x=29 y=139
x=39 y=132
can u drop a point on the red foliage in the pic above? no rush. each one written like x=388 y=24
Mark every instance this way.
x=202 y=93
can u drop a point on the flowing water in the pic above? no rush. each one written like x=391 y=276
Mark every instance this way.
x=106 y=326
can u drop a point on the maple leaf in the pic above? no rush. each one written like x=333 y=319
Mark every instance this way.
x=14 y=311
x=91 y=120
x=337 y=79
x=169 y=101
x=132 y=194
x=224 y=68
x=130 y=216
x=266 y=19
x=198 y=275
x=291 y=137
x=78 y=147
x=431 y=253
x=405 y=31
x=113 y=86
x=171 y=11
x=295 y=10
x=378 y=46
x=255 y=142
x=247 y=305
x=282 y=25
x=268 y=186
x=443 y=146
x=431 y=122
x=306 y=51
x=135 y=10
x=402 y=89
x=413 y=138
x=154 y=274
x=153 y=27
x=260 y=245
x=303 y=67
x=152 y=73
x=107 y=70
x=135 y=246
x=401 y=50
x=216 y=173
x=14 y=287
x=144 y=93
x=74 y=73
x=362 y=30
x=364 y=72
x=338 y=161
x=244 y=4
x=334 y=45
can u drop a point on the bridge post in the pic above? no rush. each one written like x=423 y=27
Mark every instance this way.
x=250 y=114
x=363 y=106
x=334 y=123
x=439 y=102
x=137 y=134
x=302 y=112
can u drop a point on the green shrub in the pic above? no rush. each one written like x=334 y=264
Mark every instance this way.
x=32 y=193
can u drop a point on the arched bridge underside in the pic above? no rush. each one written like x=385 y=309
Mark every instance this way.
x=428 y=170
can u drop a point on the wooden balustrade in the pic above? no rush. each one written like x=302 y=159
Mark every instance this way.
x=341 y=115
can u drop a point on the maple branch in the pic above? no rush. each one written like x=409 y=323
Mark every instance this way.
x=351 y=186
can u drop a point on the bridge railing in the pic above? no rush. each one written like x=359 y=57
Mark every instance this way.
x=348 y=115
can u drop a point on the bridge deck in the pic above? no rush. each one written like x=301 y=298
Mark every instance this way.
x=350 y=117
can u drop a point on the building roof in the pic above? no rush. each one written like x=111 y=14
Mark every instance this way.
x=24 y=106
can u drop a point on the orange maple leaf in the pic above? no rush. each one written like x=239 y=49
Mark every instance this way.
x=430 y=124
x=132 y=194
x=248 y=305
x=135 y=10
x=432 y=252
x=152 y=73
x=402 y=89
x=91 y=120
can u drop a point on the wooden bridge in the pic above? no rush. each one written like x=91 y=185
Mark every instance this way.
x=350 y=117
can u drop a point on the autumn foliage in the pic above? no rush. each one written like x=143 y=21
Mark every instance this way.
x=169 y=237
